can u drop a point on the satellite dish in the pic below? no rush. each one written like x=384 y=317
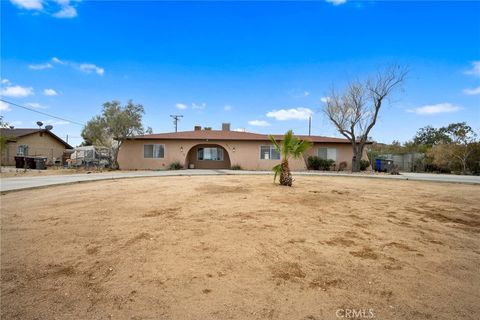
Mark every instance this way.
x=12 y=127
x=39 y=123
x=49 y=127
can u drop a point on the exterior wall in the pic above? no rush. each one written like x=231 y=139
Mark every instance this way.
x=39 y=144
x=243 y=153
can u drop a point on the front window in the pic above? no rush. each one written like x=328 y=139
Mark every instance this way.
x=22 y=150
x=327 y=153
x=269 y=153
x=153 y=151
x=215 y=154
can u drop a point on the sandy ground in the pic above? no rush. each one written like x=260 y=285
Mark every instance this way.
x=223 y=247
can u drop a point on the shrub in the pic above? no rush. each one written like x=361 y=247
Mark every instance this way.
x=342 y=166
x=313 y=163
x=364 y=164
x=175 y=166
x=236 y=167
x=317 y=163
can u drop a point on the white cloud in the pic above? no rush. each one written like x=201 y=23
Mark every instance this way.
x=36 y=105
x=50 y=92
x=4 y=106
x=258 y=123
x=16 y=91
x=436 y=108
x=66 y=11
x=324 y=99
x=475 y=71
x=227 y=107
x=181 y=106
x=199 y=106
x=41 y=66
x=336 y=2
x=54 y=122
x=5 y=81
x=472 y=92
x=56 y=60
x=28 y=4
x=89 y=68
x=290 y=114
x=62 y=9
x=298 y=93
x=83 y=67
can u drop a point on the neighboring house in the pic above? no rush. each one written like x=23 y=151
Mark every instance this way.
x=221 y=149
x=32 y=142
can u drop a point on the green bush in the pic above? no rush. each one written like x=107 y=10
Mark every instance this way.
x=317 y=163
x=364 y=164
x=175 y=166
x=236 y=167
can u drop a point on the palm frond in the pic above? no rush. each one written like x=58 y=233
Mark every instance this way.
x=274 y=142
x=277 y=170
x=300 y=147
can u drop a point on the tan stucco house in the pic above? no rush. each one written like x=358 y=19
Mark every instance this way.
x=32 y=142
x=221 y=149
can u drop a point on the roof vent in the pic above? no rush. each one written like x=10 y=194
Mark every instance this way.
x=225 y=126
x=197 y=128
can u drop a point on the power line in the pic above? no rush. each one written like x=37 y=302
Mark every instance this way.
x=44 y=113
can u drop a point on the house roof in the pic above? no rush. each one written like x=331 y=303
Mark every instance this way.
x=229 y=135
x=13 y=134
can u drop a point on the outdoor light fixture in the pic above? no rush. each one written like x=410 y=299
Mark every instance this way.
x=233 y=149
x=181 y=149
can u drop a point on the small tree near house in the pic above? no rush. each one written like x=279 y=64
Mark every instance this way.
x=354 y=112
x=114 y=126
x=289 y=147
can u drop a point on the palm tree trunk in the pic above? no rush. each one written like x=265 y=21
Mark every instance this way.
x=285 y=175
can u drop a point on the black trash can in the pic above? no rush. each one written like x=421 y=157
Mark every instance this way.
x=30 y=162
x=41 y=163
x=19 y=162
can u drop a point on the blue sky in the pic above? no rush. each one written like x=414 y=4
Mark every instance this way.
x=263 y=66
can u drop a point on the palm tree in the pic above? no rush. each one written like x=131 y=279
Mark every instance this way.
x=290 y=146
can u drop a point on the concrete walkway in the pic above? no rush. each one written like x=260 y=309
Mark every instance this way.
x=21 y=183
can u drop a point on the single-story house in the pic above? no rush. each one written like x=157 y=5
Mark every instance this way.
x=32 y=142
x=221 y=149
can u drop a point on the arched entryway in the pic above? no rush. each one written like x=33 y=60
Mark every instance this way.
x=207 y=156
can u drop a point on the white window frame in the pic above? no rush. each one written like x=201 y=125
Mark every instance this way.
x=330 y=151
x=221 y=158
x=270 y=153
x=153 y=150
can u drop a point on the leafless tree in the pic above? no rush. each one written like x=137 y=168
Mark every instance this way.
x=354 y=112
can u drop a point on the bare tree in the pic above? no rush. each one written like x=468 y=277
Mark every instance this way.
x=354 y=112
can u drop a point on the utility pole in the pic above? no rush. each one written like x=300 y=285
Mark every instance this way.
x=176 y=118
x=310 y=126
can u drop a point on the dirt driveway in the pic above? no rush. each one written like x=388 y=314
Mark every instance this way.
x=239 y=247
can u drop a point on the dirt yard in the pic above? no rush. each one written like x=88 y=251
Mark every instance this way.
x=239 y=247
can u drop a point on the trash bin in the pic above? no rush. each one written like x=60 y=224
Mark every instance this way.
x=30 y=162
x=378 y=165
x=40 y=163
x=19 y=162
